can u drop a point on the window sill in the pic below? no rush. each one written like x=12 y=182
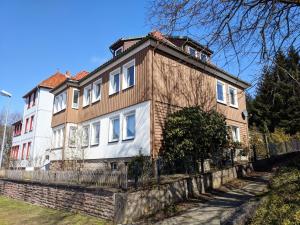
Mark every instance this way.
x=234 y=106
x=58 y=148
x=127 y=88
x=221 y=102
x=73 y=107
x=59 y=111
x=98 y=100
x=128 y=139
x=113 y=141
x=85 y=106
x=115 y=93
x=94 y=145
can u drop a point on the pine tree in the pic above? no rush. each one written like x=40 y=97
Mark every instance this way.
x=277 y=100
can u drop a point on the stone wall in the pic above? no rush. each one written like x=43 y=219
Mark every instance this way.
x=132 y=206
x=120 y=207
x=92 y=201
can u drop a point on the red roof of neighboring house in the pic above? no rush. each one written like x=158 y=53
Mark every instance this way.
x=53 y=81
x=80 y=75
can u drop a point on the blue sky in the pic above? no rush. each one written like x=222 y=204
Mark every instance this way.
x=39 y=37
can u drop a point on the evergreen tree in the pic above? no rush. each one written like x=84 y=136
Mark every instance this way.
x=277 y=100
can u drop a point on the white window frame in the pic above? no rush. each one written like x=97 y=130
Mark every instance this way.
x=93 y=125
x=236 y=105
x=205 y=57
x=238 y=133
x=83 y=144
x=85 y=94
x=71 y=128
x=196 y=52
x=125 y=137
x=94 y=99
x=73 y=104
x=60 y=102
x=224 y=92
x=58 y=137
x=110 y=131
x=118 y=49
x=111 y=81
x=125 y=67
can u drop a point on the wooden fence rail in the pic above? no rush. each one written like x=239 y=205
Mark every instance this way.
x=116 y=179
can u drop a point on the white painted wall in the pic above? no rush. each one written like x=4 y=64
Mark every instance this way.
x=128 y=148
x=40 y=136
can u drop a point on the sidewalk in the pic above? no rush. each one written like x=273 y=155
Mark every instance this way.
x=213 y=210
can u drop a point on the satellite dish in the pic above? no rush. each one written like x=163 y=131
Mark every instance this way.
x=245 y=114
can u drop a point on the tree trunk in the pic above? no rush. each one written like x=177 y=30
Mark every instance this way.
x=202 y=164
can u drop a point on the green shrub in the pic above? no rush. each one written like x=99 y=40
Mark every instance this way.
x=282 y=205
x=192 y=135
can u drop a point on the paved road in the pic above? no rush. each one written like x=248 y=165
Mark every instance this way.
x=210 y=213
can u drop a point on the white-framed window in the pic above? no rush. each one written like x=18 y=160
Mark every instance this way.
x=233 y=101
x=114 y=81
x=87 y=91
x=221 y=93
x=85 y=135
x=114 y=129
x=119 y=51
x=72 y=136
x=58 y=137
x=192 y=51
x=235 y=133
x=95 y=133
x=96 y=96
x=75 y=100
x=128 y=75
x=203 y=57
x=129 y=126
x=60 y=102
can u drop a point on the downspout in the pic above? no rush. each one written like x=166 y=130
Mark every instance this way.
x=35 y=120
x=65 y=130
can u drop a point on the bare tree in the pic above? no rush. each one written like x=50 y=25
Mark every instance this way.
x=256 y=28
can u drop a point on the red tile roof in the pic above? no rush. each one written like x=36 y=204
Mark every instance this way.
x=80 y=75
x=53 y=81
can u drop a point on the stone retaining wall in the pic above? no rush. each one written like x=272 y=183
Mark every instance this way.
x=92 y=201
x=135 y=205
x=120 y=207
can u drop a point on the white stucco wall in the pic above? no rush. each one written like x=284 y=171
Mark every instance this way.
x=122 y=148
x=40 y=136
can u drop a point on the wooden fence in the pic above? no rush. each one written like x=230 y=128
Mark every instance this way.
x=98 y=178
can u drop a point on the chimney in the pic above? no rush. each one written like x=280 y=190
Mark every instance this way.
x=68 y=74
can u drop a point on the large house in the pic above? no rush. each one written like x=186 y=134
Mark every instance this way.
x=32 y=134
x=118 y=110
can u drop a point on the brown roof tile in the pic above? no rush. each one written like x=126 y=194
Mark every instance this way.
x=80 y=75
x=53 y=81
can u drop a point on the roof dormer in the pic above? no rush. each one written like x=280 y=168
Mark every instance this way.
x=123 y=44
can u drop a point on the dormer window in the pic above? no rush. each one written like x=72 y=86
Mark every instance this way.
x=193 y=52
x=203 y=57
x=119 y=51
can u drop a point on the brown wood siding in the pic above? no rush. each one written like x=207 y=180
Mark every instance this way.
x=125 y=98
x=68 y=115
x=178 y=85
x=128 y=44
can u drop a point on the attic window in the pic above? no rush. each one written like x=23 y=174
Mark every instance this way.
x=192 y=52
x=204 y=57
x=119 y=51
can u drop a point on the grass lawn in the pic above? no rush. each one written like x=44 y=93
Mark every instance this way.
x=282 y=205
x=14 y=212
